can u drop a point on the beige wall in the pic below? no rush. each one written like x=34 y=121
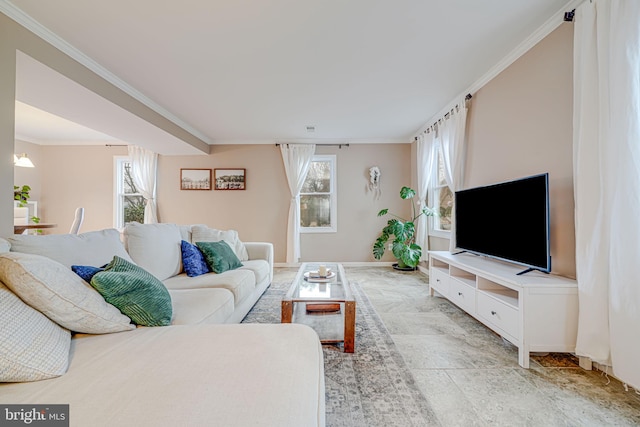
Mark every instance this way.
x=520 y=124
x=259 y=213
x=78 y=176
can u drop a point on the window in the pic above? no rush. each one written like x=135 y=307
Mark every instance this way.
x=128 y=202
x=318 y=196
x=440 y=199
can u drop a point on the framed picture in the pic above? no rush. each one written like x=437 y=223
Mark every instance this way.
x=195 y=179
x=229 y=179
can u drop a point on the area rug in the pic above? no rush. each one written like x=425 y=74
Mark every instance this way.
x=371 y=387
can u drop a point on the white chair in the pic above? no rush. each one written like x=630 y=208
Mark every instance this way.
x=77 y=221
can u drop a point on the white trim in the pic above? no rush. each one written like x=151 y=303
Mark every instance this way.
x=56 y=41
x=333 y=196
x=117 y=189
x=438 y=233
x=542 y=32
x=345 y=264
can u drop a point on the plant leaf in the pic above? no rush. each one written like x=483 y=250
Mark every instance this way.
x=410 y=254
x=407 y=193
x=383 y=212
x=378 y=248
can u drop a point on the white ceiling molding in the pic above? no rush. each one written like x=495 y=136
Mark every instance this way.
x=44 y=33
x=543 y=31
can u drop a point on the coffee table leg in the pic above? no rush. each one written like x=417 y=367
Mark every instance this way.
x=287 y=312
x=349 y=326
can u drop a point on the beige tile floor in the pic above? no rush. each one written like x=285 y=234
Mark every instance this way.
x=471 y=377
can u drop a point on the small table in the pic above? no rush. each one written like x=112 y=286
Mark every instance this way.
x=19 y=229
x=325 y=304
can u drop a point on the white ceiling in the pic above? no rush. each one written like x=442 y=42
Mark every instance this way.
x=242 y=71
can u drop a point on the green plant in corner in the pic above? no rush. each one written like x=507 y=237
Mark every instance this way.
x=404 y=247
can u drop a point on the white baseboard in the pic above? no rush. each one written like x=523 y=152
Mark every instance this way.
x=345 y=264
x=424 y=269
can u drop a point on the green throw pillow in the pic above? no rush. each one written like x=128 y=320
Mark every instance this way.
x=135 y=292
x=219 y=256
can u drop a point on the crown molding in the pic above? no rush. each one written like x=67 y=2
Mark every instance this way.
x=13 y=12
x=543 y=31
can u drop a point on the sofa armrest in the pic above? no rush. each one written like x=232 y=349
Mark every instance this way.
x=261 y=250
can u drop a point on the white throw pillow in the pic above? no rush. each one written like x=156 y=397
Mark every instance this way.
x=4 y=246
x=95 y=248
x=32 y=347
x=155 y=248
x=200 y=233
x=60 y=294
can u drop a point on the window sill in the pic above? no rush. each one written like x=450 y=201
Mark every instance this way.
x=317 y=230
x=440 y=233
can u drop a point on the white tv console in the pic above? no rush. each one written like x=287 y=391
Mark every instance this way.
x=536 y=312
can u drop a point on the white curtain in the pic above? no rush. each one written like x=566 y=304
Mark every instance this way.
x=296 y=158
x=426 y=160
x=451 y=134
x=607 y=183
x=144 y=168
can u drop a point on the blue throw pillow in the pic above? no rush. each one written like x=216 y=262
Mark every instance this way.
x=86 y=271
x=192 y=260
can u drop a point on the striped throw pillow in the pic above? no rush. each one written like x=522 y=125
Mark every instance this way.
x=135 y=292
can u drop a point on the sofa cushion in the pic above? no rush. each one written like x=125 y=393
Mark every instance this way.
x=32 y=347
x=240 y=282
x=60 y=294
x=260 y=268
x=201 y=375
x=193 y=261
x=155 y=248
x=201 y=233
x=91 y=248
x=193 y=306
x=219 y=256
x=135 y=292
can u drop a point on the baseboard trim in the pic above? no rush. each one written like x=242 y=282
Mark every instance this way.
x=345 y=264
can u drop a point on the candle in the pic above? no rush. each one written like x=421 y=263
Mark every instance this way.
x=322 y=270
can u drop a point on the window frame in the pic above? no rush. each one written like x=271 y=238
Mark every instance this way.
x=333 y=197
x=434 y=202
x=118 y=191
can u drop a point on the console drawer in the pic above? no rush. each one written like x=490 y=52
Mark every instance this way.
x=499 y=314
x=439 y=281
x=462 y=295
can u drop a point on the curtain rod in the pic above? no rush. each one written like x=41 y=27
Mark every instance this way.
x=323 y=145
x=466 y=99
x=568 y=16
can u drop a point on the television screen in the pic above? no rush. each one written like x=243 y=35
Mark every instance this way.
x=508 y=221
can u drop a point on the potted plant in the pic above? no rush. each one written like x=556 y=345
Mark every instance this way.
x=404 y=247
x=21 y=194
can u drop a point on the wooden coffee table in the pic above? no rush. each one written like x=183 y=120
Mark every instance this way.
x=325 y=304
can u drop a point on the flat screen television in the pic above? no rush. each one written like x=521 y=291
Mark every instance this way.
x=508 y=221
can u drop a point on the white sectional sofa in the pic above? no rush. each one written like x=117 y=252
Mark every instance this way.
x=200 y=370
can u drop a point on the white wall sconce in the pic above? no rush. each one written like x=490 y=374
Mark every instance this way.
x=22 y=161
